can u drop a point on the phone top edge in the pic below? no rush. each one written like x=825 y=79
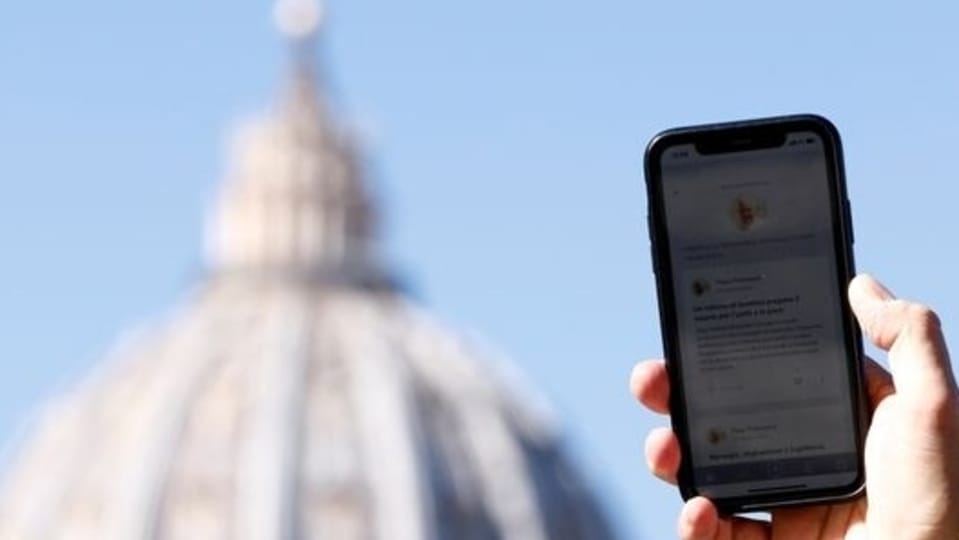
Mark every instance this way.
x=780 y=124
x=789 y=122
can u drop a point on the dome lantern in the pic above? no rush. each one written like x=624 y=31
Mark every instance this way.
x=295 y=200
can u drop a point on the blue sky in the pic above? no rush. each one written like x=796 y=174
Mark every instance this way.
x=506 y=140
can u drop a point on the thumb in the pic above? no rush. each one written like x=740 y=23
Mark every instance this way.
x=911 y=332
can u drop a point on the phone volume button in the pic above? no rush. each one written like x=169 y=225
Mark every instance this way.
x=847 y=209
x=653 y=261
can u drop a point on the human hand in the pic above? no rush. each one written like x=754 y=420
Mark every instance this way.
x=912 y=447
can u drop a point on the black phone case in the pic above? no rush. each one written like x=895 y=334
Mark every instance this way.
x=759 y=131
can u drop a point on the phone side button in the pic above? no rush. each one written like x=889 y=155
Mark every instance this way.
x=653 y=261
x=848 y=210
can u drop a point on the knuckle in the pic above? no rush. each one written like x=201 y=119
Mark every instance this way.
x=921 y=319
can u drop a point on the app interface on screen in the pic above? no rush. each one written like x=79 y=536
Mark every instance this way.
x=761 y=347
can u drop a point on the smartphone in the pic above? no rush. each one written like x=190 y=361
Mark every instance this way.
x=751 y=239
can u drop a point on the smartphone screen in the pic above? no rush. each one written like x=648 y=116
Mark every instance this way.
x=761 y=332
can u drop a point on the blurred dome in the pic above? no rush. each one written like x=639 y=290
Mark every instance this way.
x=296 y=393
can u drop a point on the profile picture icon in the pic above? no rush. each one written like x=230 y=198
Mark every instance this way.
x=747 y=212
x=700 y=287
x=716 y=436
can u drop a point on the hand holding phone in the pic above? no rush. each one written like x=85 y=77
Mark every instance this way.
x=912 y=478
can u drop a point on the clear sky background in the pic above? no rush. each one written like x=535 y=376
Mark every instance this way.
x=507 y=143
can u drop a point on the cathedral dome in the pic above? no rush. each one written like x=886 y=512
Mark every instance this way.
x=296 y=393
